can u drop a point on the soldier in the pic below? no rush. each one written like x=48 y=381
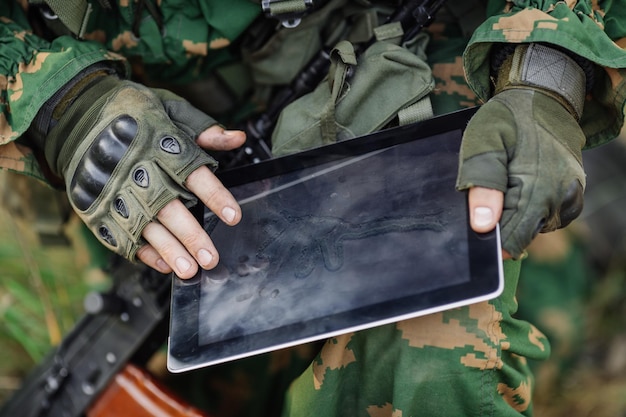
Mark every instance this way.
x=551 y=74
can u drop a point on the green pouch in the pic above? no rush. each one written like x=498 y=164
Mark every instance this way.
x=295 y=46
x=359 y=96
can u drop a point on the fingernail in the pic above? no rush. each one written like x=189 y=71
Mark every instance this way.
x=163 y=267
x=182 y=265
x=229 y=214
x=483 y=216
x=204 y=257
x=230 y=132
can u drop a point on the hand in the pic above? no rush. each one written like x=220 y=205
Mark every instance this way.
x=521 y=153
x=177 y=242
x=132 y=163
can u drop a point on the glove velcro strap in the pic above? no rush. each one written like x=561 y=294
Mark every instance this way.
x=78 y=119
x=536 y=65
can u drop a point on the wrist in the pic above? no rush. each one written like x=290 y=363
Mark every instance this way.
x=543 y=68
x=50 y=114
x=76 y=121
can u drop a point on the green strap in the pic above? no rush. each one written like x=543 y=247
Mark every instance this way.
x=74 y=14
x=286 y=6
x=342 y=57
x=416 y=112
x=540 y=66
x=289 y=12
x=422 y=109
x=389 y=32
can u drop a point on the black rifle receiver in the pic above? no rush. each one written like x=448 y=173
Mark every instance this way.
x=128 y=323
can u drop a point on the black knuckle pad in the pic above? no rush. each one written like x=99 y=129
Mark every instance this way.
x=97 y=164
x=572 y=204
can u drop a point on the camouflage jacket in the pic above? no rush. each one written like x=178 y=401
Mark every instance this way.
x=187 y=37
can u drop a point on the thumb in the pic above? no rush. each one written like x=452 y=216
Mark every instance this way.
x=485 y=206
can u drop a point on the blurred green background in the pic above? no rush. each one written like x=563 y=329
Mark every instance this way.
x=44 y=276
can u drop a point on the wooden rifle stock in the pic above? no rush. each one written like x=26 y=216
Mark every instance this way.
x=135 y=392
x=92 y=369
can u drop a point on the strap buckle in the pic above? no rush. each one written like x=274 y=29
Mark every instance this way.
x=289 y=12
x=73 y=14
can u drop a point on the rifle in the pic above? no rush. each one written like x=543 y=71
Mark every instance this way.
x=412 y=15
x=125 y=326
x=89 y=372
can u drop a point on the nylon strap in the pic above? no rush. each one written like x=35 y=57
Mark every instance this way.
x=74 y=14
x=541 y=66
x=286 y=6
x=389 y=32
x=420 y=110
x=416 y=112
x=342 y=58
x=289 y=12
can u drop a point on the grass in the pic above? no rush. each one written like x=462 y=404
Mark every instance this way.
x=41 y=292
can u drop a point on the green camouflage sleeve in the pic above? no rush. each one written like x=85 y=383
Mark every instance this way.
x=185 y=39
x=31 y=71
x=595 y=30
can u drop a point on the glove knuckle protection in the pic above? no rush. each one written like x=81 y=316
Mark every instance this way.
x=97 y=164
x=572 y=203
x=121 y=175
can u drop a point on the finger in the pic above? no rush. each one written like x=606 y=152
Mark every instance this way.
x=171 y=250
x=149 y=256
x=216 y=138
x=214 y=195
x=182 y=224
x=485 y=205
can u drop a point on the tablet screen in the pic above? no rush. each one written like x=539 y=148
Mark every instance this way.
x=334 y=240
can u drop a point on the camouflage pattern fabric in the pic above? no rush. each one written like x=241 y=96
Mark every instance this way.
x=469 y=361
x=190 y=37
x=466 y=361
x=555 y=286
x=32 y=69
x=593 y=30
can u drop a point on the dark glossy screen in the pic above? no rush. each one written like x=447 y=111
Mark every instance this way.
x=331 y=246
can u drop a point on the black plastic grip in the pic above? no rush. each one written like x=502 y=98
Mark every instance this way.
x=96 y=166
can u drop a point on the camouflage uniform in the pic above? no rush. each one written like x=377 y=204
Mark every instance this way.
x=466 y=361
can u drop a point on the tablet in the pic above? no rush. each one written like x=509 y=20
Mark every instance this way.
x=340 y=238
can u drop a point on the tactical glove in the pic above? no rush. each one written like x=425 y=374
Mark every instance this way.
x=527 y=143
x=124 y=152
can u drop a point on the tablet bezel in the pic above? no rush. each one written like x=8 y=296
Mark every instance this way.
x=486 y=278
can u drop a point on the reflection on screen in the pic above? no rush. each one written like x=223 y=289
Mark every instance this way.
x=334 y=238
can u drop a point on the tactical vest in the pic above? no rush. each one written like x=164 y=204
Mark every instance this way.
x=374 y=74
